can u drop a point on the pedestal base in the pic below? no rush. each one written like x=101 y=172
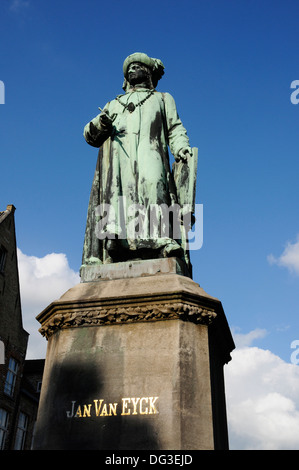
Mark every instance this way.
x=134 y=364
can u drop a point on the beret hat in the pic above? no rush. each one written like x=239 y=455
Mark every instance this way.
x=155 y=65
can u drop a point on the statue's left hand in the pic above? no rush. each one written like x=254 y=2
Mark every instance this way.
x=183 y=155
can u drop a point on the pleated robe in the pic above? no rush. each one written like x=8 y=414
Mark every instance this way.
x=133 y=167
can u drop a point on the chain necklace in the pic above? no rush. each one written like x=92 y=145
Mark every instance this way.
x=131 y=106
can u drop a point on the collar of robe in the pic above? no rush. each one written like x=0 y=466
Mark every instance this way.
x=131 y=106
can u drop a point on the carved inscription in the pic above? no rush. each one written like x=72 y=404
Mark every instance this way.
x=127 y=407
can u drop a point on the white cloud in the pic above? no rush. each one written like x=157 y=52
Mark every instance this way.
x=242 y=340
x=42 y=280
x=289 y=258
x=262 y=401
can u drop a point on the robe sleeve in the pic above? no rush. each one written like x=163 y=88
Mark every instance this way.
x=177 y=134
x=96 y=136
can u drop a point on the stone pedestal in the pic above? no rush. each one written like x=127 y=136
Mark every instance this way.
x=134 y=363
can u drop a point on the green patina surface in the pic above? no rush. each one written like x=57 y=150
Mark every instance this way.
x=133 y=133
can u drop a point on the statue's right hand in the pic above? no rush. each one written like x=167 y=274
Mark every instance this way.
x=105 y=121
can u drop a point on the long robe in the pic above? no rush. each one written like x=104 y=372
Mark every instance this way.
x=133 y=164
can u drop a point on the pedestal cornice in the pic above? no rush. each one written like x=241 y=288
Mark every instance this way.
x=146 y=299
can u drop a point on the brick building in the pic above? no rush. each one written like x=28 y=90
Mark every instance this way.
x=19 y=379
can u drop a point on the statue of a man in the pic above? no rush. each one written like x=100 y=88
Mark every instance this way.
x=133 y=133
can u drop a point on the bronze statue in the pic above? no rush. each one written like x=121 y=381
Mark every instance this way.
x=133 y=174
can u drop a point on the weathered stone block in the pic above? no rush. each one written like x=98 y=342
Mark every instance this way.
x=129 y=366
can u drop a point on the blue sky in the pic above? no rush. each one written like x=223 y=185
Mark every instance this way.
x=229 y=65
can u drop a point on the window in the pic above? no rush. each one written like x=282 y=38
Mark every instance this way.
x=11 y=376
x=3 y=253
x=21 y=431
x=3 y=427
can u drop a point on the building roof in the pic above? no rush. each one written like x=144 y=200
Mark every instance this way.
x=9 y=209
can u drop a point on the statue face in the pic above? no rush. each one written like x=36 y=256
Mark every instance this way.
x=137 y=73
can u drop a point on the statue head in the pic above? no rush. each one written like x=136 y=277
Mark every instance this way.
x=153 y=69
